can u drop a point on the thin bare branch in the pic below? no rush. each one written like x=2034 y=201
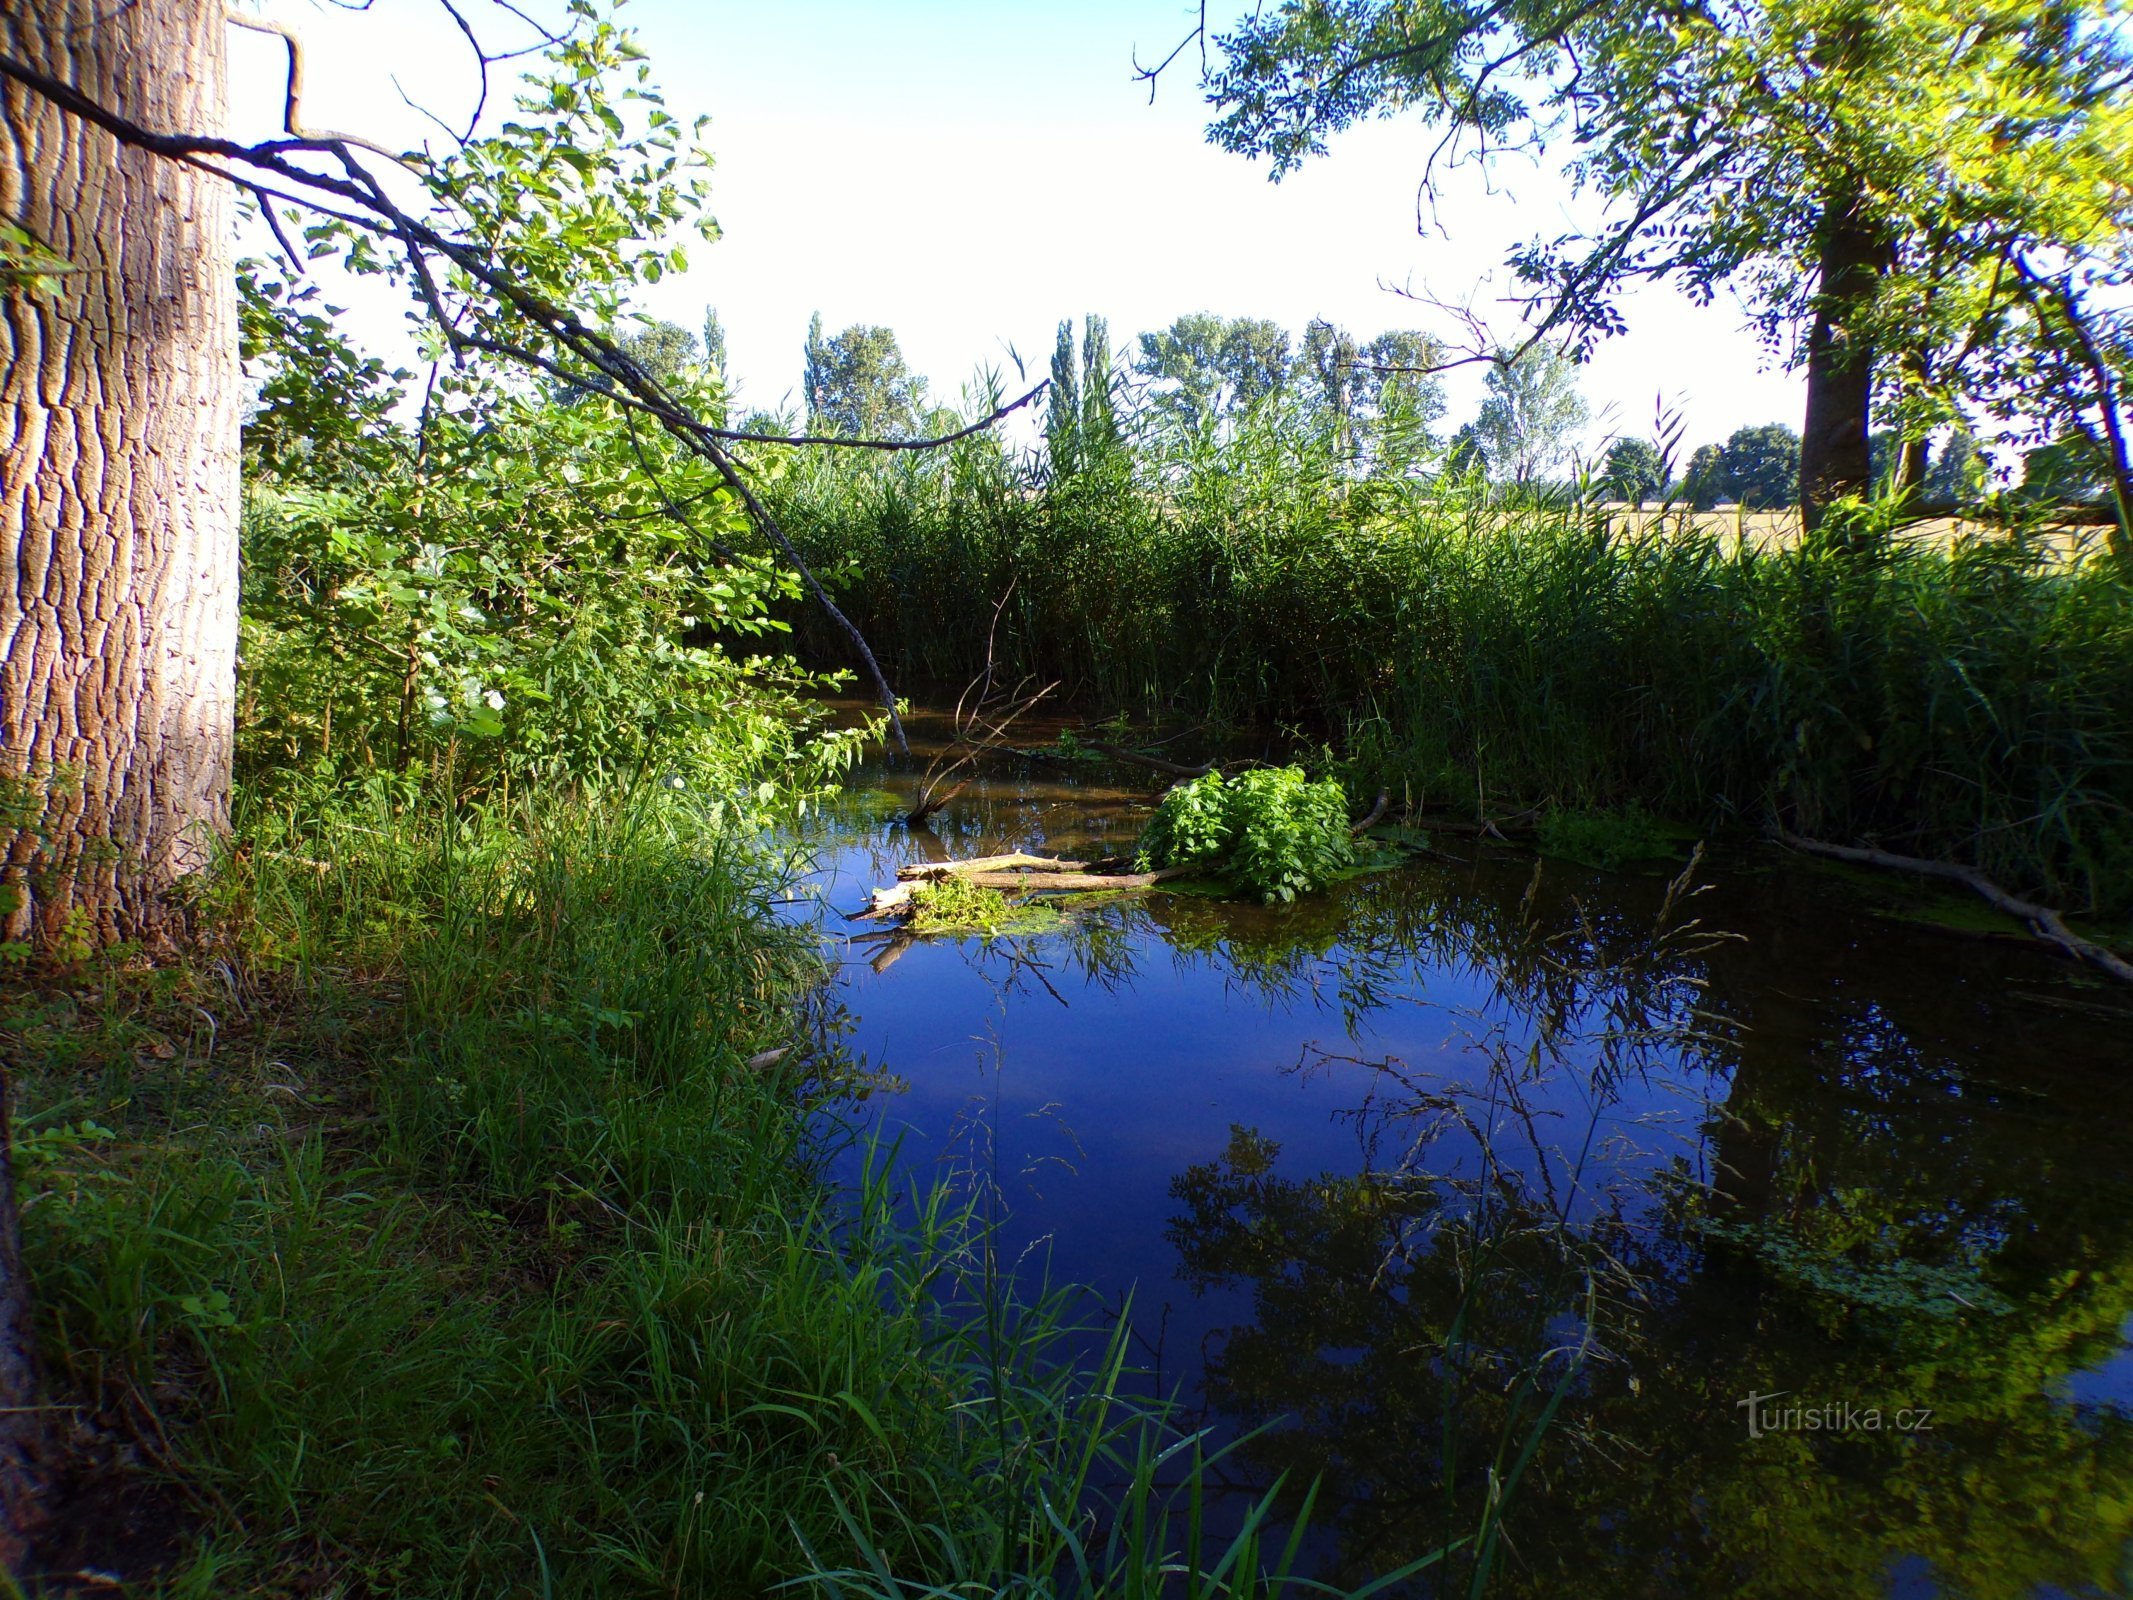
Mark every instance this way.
x=1149 y=75
x=982 y=425
x=293 y=92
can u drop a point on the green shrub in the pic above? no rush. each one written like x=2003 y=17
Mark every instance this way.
x=1270 y=831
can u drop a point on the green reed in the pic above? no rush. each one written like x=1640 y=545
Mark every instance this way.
x=1486 y=648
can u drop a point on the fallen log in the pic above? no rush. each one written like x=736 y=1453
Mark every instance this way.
x=1487 y=828
x=1057 y=882
x=1058 y=878
x=1014 y=859
x=894 y=902
x=2044 y=922
x=1120 y=753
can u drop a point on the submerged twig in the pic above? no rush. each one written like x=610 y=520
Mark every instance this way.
x=1120 y=753
x=2044 y=922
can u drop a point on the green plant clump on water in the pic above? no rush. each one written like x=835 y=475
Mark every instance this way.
x=954 y=905
x=1271 y=831
x=1608 y=839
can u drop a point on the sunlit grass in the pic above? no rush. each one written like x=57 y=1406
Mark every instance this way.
x=448 y=1228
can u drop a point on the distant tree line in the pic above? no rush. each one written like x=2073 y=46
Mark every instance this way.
x=1381 y=396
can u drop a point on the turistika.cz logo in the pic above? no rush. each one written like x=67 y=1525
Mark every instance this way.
x=1830 y=1416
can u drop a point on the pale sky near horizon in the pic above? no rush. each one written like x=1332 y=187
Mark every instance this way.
x=970 y=173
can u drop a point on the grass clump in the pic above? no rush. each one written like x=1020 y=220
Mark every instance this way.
x=1609 y=839
x=445 y=1231
x=952 y=905
x=462 y=1251
x=1270 y=831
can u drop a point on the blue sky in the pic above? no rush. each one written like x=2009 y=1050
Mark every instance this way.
x=969 y=173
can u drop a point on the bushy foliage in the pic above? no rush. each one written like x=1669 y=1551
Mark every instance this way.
x=1761 y=466
x=1634 y=471
x=514 y=584
x=1271 y=831
x=859 y=385
x=1758 y=466
x=1530 y=421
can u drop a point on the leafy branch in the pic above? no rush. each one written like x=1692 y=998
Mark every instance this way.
x=523 y=232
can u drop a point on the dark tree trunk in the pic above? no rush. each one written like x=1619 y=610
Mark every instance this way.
x=23 y=1436
x=1836 y=453
x=1912 y=462
x=1911 y=469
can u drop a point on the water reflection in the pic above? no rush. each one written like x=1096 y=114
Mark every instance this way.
x=1506 y=1191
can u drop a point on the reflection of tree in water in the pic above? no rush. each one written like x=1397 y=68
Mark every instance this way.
x=1617 y=976
x=1869 y=1246
x=1878 y=1211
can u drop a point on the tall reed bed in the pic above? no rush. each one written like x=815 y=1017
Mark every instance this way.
x=1482 y=647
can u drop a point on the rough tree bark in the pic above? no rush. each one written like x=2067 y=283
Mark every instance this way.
x=118 y=511
x=119 y=411
x=1836 y=453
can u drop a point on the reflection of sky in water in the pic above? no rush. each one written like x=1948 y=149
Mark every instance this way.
x=1097 y=1095
x=1862 y=1083
x=2108 y=1384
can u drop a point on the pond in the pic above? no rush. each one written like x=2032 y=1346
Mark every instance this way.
x=1741 y=1237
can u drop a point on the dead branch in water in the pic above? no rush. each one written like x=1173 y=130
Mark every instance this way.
x=1376 y=813
x=2044 y=922
x=1487 y=828
x=1120 y=753
x=892 y=952
x=981 y=726
x=1011 y=874
x=894 y=902
x=1013 y=860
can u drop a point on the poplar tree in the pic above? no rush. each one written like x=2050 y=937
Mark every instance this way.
x=1062 y=406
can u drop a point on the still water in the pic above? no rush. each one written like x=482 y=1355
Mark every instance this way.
x=1794 y=1240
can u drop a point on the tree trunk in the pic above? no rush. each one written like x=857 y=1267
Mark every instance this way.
x=118 y=510
x=24 y=1453
x=1911 y=465
x=119 y=410
x=1836 y=455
